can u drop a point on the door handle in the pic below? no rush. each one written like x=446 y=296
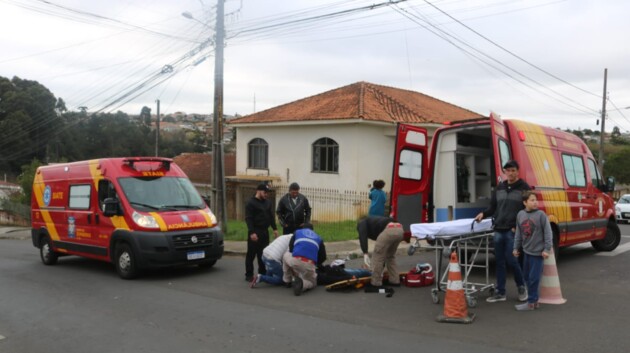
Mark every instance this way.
x=89 y=217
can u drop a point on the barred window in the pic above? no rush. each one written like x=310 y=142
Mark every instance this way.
x=325 y=156
x=258 y=154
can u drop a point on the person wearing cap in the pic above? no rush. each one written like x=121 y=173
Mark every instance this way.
x=293 y=210
x=505 y=204
x=388 y=234
x=307 y=252
x=258 y=217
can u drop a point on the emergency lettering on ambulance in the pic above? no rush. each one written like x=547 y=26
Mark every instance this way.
x=465 y=165
x=137 y=213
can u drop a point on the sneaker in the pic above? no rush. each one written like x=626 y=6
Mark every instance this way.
x=526 y=306
x=254 y=281
x=496 y=298
x=522 y=293
x=297 y=286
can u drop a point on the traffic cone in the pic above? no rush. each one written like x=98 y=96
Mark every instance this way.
x=550 y=292
x=455 y=308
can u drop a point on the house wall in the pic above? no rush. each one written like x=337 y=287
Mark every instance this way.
x=365 y=153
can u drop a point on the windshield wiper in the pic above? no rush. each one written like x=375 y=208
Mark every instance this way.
x=187 y=207
x=144 y=205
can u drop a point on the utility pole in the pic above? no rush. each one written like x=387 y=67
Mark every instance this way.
x=157 y=129
x=218 y=181
x=601 y=136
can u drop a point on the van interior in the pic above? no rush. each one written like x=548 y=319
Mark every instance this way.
x=463 y=158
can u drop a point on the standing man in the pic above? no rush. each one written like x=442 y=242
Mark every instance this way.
x=293 y=210
x=259 y=217
x=388 y=234
x=306 y=252
x=505 y=204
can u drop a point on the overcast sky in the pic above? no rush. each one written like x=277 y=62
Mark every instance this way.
x=536 y=60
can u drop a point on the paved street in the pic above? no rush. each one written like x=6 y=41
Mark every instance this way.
x=81 y=305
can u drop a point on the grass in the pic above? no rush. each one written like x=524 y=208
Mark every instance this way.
x=329 y=231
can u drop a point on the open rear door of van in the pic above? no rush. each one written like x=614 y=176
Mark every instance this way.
x=500 y=145
x=411 y=176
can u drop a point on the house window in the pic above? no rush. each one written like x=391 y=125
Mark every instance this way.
x=325 y=156
x=258 y=154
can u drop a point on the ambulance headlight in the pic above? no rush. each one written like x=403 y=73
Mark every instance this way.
x=213 y=218
x=617 y=210
x=145 y=221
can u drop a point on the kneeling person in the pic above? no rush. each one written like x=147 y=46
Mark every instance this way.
x=272 y=258
x=306 y=252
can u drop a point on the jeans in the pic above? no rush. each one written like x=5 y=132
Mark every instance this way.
x=274 y=272
x=532 y=271
x=503 y=247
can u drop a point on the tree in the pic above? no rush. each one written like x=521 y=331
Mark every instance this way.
x=145 y=116
x=26 y=180
x=617 y=165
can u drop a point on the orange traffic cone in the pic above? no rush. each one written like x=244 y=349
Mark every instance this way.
x=550 y=292
x=455 y=309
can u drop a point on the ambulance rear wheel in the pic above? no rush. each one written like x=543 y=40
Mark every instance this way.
x=49 y=257
x=125 y=261
x=611 y=240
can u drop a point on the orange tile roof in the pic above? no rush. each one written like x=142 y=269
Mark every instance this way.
x=367 y=101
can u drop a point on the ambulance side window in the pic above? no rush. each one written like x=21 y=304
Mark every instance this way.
x=79 y=197
x=574 y=170
x=106 y=190
x=596 y=179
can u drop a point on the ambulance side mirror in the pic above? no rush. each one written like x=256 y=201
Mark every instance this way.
x=111 y=207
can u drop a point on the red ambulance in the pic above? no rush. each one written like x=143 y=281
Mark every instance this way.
x=455 y=177
x=137 y=213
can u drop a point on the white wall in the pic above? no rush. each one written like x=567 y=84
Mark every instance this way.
x=366 y=153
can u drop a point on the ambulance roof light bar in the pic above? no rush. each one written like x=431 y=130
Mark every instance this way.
x=166 y=162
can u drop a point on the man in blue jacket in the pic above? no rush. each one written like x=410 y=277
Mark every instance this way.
x=306 y=253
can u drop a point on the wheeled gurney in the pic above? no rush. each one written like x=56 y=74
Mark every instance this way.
x=470 y=239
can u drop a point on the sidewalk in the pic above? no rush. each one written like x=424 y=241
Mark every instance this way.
x=335 y=250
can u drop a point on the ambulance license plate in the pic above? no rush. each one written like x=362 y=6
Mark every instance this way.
x=195 y=255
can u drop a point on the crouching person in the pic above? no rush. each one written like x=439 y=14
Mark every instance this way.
x=272 y=258
x=306 y=253
x=388 y=234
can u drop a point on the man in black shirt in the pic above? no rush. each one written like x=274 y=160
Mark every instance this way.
x=259 y=217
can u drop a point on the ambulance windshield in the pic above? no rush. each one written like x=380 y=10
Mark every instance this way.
x=161 y=194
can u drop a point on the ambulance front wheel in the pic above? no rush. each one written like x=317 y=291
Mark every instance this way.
x=125 y=261
x=49 y=257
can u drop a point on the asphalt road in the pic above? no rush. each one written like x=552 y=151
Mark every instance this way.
x=81 y=305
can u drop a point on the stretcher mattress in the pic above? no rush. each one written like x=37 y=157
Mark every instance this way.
x=449 y=228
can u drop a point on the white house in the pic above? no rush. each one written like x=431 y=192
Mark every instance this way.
x=342 y=139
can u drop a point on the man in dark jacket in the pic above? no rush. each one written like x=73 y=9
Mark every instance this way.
x=293 y=210
x=259 y=217
x=505 y=204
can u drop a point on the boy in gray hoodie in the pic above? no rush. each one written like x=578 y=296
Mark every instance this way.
x=533 y=232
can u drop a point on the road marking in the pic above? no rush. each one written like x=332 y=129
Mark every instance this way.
x=2 y=337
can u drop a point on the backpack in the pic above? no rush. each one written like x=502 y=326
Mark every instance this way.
x=420 y=276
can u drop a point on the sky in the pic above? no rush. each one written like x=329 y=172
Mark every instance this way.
x=537 y=60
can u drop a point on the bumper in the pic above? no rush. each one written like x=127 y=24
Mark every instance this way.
x=181 y=248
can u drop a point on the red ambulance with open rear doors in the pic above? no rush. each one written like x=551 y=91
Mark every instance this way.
x=455 y=178
x=137 y=213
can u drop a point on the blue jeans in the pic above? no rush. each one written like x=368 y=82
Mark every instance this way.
x=503 y=247
x=274 y=272
x=532 y=271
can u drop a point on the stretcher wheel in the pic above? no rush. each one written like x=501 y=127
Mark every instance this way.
x=411 y=250
x=491 y=292
x=472 y=302
x=435 y=297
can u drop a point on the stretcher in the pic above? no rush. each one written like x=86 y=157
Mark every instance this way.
x=470 y=239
